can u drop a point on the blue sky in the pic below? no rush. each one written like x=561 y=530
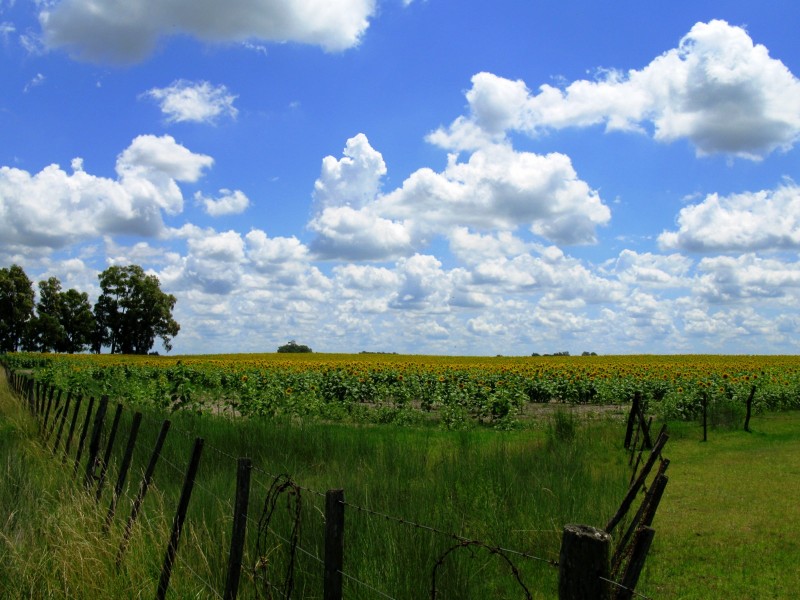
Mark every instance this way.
x=415 y=176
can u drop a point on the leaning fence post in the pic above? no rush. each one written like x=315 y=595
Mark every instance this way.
x=334 y=544
x=631 y=419
x=180 y=517
x=94 y=443
x=583 y=564
x=63 y=421
x=84 y=433
x=244 y=467
x=68 y=443
x=143 y=486
x=101 y=479
x=641 y=546
x=43 y=424
x=123 y=470
x=749 y=409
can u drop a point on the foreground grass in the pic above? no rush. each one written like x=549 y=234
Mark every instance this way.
x=727 y=528
x=729 y=523
x=510 y=489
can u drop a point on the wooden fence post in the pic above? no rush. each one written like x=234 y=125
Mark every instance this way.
x=180 y=517
x=705 y=417
x=94 y=443
x=334 y=545
x=43 y=424
x=84 y=432
x=123 y=470
x=63 y=421
x=583 y=564
x=143 y=486
x=634 y=489
x=749 y=409
x=641 y=546
x=243 y=470
x=631 y=419
x=101 y=479
x=57 y=408
x=72 y=424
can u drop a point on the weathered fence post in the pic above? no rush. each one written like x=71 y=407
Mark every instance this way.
x=334 y=544
x=640 y=479
x=632 y=419
x=705 y=417
x=180 y=517
x=82 y=437
x=57 y=408
x=101 y=479
x=583 y=564
x=72 y=424
x=243 y=470
x=641 y=546
x=43 y=424
x=123 y=470
x=63 y=421
x=94 y=443
x=143 y=486
x=749 y=409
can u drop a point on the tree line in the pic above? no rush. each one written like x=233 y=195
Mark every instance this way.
x=128 y=317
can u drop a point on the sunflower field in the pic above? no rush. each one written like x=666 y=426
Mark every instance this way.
x=453 y=391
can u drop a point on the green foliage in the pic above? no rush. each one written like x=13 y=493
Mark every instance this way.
x=64 y=321
x=132 y=312
x=16 y=307
x=293 y=347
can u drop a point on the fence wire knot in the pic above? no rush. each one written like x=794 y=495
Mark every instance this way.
x=473 y=544
x=281 y=485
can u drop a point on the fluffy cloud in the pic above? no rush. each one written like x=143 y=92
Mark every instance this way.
x=355 y=179
x=229 y=203
x=726 y=279
x=128 y=30
x=54 y=208
x=765 y=220
x=652 y=270
x=718 y=89
x=213 y=263
x=198 y=102
x=497 y=188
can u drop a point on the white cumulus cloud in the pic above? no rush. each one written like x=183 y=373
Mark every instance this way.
x=128 y=31
x=497 y=188
x=53 y=208
x=718 y=89
x=764 y=220
x=198 y=102
x=229 y=203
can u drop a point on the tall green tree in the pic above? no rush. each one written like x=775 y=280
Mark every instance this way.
x=45 y=332
x=16 y=307
x=132 y=312
x=64 y=321
x=77 y=321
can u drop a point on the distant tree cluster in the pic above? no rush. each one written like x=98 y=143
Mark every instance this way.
x=565 y=353
x=129 y=315
x=294 y=347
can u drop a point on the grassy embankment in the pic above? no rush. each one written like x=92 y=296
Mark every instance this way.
x=728 y=525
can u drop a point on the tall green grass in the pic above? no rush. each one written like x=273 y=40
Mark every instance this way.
x=513 y=490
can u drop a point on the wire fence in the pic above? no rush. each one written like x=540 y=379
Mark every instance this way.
x=67 y=422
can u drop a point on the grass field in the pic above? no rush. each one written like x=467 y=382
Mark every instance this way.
x=728 y=526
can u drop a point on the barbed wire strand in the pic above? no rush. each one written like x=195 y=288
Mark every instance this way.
x=197 y=576
x=622 y=587
x=454 y=536
x=366 y=585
